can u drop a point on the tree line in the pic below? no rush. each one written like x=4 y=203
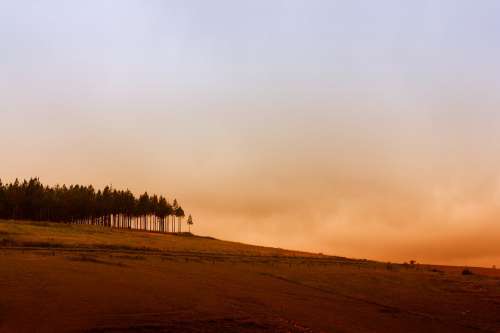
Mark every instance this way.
x=31 y=200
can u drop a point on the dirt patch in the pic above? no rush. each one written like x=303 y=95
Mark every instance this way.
x=216 y=325
x=175 y=284
x=128 y=257
x=95 y=260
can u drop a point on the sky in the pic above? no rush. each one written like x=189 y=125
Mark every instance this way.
x=367 y=129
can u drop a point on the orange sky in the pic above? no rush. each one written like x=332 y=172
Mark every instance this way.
x=336 y=127
x=351 y=190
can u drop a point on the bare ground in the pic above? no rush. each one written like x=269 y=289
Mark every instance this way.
x=60 y=278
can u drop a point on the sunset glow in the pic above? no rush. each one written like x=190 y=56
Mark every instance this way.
x=355 y=128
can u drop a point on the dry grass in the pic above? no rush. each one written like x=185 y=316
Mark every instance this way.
x=45 y=234
x=57 y=277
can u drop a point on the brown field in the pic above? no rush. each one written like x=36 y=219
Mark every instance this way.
x=68 y=278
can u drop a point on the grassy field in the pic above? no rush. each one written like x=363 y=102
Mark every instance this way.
x=58 y=235
x=69 y=278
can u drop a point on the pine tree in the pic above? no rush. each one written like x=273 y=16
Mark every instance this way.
x=31 y=200
x=190 y=222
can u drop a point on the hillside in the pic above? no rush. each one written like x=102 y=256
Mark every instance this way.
x=78 y=278
x=66 y=236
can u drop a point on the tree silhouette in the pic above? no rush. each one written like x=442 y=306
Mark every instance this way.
x=31 y=200
x=179 y=213
x=173 y=212
x=190 y=222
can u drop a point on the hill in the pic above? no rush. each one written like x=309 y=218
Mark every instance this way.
x=81 y=278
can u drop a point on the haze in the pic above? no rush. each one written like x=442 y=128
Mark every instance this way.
x=357 y=128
